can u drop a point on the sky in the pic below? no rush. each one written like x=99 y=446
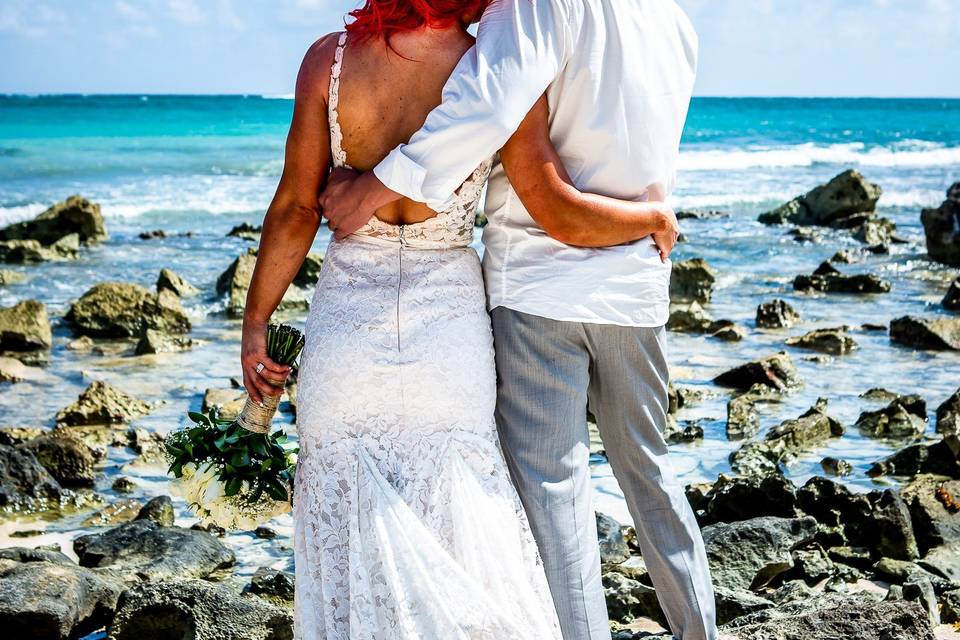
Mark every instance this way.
x=747 y=47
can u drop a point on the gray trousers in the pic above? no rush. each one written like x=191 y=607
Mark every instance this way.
x=548 y=371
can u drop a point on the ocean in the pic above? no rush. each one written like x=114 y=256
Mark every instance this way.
x=203 y=164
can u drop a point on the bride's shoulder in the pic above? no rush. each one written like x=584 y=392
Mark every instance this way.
x=314 y=76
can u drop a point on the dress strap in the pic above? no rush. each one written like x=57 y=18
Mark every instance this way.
x=333 y=101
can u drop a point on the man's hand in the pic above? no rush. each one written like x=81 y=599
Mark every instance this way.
x=271 y=376
x=342 y=203
x=666 y=237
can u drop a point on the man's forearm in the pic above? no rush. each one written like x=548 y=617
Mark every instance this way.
x=590 y=220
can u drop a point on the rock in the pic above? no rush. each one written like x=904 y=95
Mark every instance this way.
x=806 y=234
x=942 y=228
x=776 y=314
x=234 y=282
x=834 y=204
x=31 y=251
x=75 y=215
x=790 y=591
x=480 y=220
x=229 y=401
x=943 y=561
x=926 y=333
x=8 y=277
x=905 y=416
x=675 y=434
x=613 y=546
x=742 y=417
x=835 y=341
x=67 y=458
x=876 y=231
x=124 y=485
x=174 y=282
x=53 y=600
x=689 y=318
x=145 y=550
x=692 y=281
x=889 y=528
x=123 y=310
x=309 y=271
x=158 y=510
x=153 y=341
x=24 y=482
x=921 y=591
x=246 y=231
x=728 y=331
x=900 y=571
x=833 y=616
x=948 y=415
x=264 y=533
x=950 y=607
x=744 y=498
x=776 y=371
x=629 y=599
x=942 y=457
x=25 y=327
x=153 y=234
x=83 y=343
x=733 y=603
x=123 y=510
x=148 y=445
x=858 y=557
x=12 y=370
x=951 y=300
x=827 y=279
x=750 y=553
x=197 y=610
x=273 y=583
x=101 y=403
x=812 y=564
x=844 y=256
x=836 y=466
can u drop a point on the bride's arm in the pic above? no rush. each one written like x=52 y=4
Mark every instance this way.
x=292 y=218
x=565 y=213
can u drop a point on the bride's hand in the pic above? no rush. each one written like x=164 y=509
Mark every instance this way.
x=253 y=351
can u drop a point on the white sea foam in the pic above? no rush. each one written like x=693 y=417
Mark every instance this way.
x=906 y=153
x=279 y=96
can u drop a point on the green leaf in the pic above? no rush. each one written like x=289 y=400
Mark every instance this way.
x=233 y=487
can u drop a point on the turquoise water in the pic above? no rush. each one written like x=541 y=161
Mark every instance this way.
x=204 y=164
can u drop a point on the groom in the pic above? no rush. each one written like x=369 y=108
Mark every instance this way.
x=572 y=326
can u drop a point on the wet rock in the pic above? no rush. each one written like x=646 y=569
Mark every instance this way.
x=806 y=234
x=148 y=445
x=25 y=327
x=835 y=204
x=264 y=533
x=832 y=616
x=53 y=599
x=879 y=394
x=942 y=457
x=951 y=300
x=83 y=343
x=158 y=510
x=123 y=310
x=75 y=215
x=690 y=432
x=234 y=282
x=905 y=416
x=692 y=281
x=743 y=420
x=629 y=599
x=835 y=341
x=175 y=283
x=153 y=234
x=731 y=499
x=934 y=503
x=246 y=231
x=776 y=314
x=101 y=403
x=8 y=277
x=926 y=333
x=309 y=271
x=32 y=252
x=836 y=466
x=613 y=546
x=877 y=231
x=942 y=228
x=67 y=458
x=827 y=279
x=24 y=482
x=229 y=401
x=124 y=485
x=272 y=584
x=12 y=370
x=776 y=371
x=948 y=415
x=198 y=610
x=144 y=550
x=689 y=318
x=123 y=510
x=845 y=256
x=785 y=441
x=153 y=341
x=750 y=553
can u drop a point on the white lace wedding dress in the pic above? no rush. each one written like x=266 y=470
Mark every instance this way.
x=407 y=524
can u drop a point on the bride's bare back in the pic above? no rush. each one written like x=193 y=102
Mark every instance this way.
x=385 y=95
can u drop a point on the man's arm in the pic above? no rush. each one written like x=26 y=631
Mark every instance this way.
x=566 y=214
x=521 y=47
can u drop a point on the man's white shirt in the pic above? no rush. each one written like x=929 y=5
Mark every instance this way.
x=618 y=75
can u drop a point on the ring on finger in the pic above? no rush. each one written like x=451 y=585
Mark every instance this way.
x=260 y=366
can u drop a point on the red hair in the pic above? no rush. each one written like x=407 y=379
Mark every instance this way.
x=385 y=18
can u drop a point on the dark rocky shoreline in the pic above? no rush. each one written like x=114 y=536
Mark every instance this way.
x=810 y=561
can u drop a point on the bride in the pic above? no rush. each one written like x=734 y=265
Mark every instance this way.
x=407 y=525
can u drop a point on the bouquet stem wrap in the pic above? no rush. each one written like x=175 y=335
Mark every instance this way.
x=257 y=418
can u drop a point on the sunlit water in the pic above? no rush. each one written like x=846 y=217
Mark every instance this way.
x=204 y=164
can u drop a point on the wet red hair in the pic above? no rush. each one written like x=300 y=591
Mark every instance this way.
x=385 y=18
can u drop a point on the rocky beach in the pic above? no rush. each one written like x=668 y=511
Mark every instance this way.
x=815 y=355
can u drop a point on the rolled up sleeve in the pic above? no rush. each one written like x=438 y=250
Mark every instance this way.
x=521 y=47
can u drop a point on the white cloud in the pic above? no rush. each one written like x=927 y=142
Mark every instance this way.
x=187 y=12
